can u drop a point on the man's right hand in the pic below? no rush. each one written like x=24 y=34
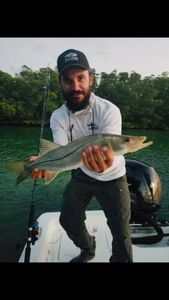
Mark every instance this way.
x=96 y=159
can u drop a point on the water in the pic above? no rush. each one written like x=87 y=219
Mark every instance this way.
x=19 y=144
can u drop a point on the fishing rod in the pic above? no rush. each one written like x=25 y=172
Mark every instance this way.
x=32 y=223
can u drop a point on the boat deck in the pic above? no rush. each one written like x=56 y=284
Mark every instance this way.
x=53 y=244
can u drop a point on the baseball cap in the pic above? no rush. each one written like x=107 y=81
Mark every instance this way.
x=71 y=58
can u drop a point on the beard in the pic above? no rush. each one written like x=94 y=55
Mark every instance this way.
x=73 y=104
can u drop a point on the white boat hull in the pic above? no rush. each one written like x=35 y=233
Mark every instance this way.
x=53 y=244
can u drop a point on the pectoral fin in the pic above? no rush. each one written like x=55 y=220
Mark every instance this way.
x=50 y=176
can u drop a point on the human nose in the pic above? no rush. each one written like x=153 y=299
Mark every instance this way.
x=75 y=85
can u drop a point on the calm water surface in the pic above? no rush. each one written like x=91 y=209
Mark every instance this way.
x=19 y=144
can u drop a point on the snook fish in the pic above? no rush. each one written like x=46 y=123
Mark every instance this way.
x=63 y=158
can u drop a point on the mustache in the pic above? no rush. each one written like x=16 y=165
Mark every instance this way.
x=75 y=93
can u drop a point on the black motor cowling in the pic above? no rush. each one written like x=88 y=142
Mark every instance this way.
x=144 y=186
x=146 y=196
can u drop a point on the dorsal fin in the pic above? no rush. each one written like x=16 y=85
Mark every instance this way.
x=46 y=146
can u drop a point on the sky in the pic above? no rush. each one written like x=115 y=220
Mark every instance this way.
x=145 y=56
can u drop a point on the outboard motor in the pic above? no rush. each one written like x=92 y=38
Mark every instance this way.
x=146 y=196
x=144 y=185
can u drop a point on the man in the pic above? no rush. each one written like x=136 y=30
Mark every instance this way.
x=102 y=175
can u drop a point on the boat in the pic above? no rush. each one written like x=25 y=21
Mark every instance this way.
x=150 y=235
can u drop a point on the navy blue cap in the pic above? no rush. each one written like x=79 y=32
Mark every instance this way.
x=71 y=58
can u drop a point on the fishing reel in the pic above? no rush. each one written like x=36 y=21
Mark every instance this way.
x=35 y=232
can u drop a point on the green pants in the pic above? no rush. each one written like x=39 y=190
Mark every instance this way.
x=114 y=199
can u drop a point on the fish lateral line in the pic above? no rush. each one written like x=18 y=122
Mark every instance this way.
x=55 y=159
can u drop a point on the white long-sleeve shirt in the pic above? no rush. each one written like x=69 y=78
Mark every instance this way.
x=105 y=118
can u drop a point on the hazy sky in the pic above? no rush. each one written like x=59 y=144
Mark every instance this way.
x=145 y=56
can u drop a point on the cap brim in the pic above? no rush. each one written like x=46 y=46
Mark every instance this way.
x=72 y=66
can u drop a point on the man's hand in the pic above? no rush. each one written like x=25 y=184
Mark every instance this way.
x=96 y=159
x=36 y=173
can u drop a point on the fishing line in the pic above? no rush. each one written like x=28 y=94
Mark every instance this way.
x=32 y=224
x=92 y=125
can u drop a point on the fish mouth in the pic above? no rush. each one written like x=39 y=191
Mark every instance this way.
x=138 y=143
x=148 y=143
x=143 y=138
x=140 y=139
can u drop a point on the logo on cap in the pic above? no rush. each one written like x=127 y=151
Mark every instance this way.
x=71 y=57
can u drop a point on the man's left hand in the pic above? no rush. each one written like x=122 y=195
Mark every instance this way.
x=97 y=159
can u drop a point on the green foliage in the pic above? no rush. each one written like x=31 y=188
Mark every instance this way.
x=144 y=103
x=7 y=110
x=22 y=96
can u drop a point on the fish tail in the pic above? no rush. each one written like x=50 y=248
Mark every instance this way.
x=18 y=166
x=23 y=175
